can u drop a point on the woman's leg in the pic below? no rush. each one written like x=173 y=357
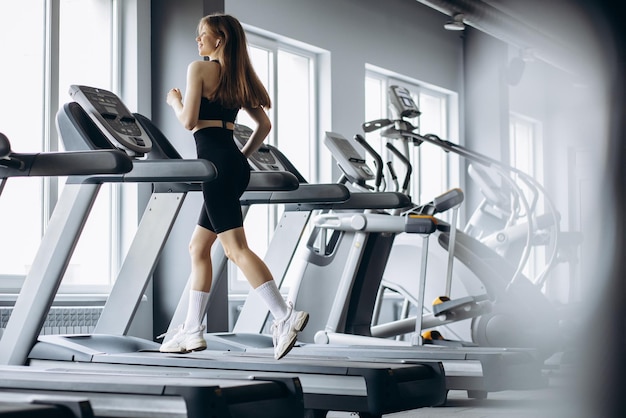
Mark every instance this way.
x=237 y=250
x=200 y=246
x=201 y=276
x=256 y=271
x=189 y=336
x=287 y=321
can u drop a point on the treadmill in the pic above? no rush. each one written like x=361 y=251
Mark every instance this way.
x=87 y=395
x=156 y=394
x=24 y=406
x=353 y=263
x=367 y=388
x=14 y=164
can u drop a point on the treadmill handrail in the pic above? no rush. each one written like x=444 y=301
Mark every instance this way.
x=159 y=171
x=5 y=146
x=261 y=184
x=69 y=163
x=171 y=170
x=272 y=181
x=306 y=193
x=364 y=201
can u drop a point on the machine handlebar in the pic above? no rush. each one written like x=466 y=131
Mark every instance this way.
x=378 y=160
x=5 y=146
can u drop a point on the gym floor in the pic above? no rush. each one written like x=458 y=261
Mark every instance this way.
x=555 y=401
x=546 y=403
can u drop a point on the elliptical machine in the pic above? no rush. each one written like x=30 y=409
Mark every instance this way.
x=520 y=315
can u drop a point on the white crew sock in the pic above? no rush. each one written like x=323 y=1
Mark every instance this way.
x=273 y=299
x=198 y=301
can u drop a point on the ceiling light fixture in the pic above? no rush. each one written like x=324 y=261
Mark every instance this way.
x=456 y=23
x=527 y=55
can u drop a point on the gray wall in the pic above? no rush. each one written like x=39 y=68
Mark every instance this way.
x=174 y=27
x=486 y=102
x=572 y=111
x=399 y=35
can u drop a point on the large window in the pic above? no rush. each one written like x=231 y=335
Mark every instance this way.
x=53 y=44
x=434 y=171
x=526 y=155
x=22 y=83
x=288 y=73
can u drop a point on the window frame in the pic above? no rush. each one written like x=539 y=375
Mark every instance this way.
x=11 y=284
x=451 y=173
x=274 y=44
x=537 y=257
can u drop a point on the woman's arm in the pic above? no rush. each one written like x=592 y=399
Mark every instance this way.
x=187 y=111
x=263 y=127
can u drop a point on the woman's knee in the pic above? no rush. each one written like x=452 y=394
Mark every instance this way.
x=235 y=252
x=234 y=244
x=200 y=244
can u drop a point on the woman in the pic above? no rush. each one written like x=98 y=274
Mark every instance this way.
x=216 y=91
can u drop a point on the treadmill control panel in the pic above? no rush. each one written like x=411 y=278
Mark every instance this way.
x=348 y=159
x=262 y=159
x=113 y=118
x=401 y=100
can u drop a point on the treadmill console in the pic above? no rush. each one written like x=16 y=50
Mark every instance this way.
x=113 y=119
x=402 y=102
x=348 y=159
x=262 y=159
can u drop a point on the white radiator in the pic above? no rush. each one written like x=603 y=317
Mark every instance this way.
x=63 y=319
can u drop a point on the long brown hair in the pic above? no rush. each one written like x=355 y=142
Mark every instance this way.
x=239 y=85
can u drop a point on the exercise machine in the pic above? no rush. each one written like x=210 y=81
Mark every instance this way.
x=111 y=393
x=90 y=164
x=521 y=315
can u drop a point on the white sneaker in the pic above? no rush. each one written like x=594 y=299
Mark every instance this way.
x=184 y=341
x=285 y=331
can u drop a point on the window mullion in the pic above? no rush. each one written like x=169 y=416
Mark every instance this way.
x=116 y=46
x=274 y=94
x=115 y=213
x=273 y=212
x=51 y=100
x=313 y=125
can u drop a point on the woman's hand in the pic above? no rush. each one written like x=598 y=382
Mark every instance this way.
x=259 y=115
x=174 y=97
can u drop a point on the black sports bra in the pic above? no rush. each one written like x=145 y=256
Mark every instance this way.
x=211 y=110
